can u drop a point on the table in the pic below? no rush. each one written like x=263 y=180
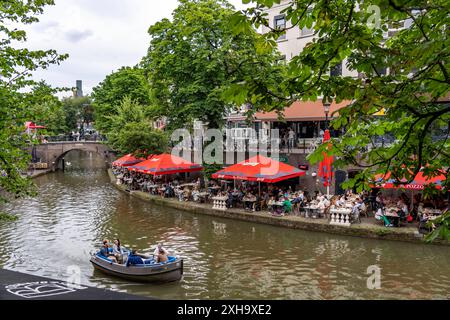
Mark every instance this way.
x=214 y=190
x=312 y=211
x=188 y=185
x=203 y=196
x=392 y=216
x=432 y=211
x=277 y=206
x=250 y=200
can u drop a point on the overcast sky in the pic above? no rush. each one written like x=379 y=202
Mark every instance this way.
x=100 y=36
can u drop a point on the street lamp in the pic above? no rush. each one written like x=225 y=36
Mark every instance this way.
x=326 y=108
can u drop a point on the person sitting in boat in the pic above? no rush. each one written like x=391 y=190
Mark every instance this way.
x=162 y=256
x=118 y=251
x=105 y=252
x=158 y=248
x=134 y=259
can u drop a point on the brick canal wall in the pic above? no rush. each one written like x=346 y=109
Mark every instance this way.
x=364 y=230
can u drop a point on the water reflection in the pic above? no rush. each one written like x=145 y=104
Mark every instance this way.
x=224 y=259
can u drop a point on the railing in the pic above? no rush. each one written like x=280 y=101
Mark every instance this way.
x=219 y=203
x=301 y=146
x=68 y=138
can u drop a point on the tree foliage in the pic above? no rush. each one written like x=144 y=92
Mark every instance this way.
x=410 y=95
x=77 y=110
x=16 y=66
x=195 y=61
x=110 y=92
x=46 y=109
x=132 y=132
x=141 y=140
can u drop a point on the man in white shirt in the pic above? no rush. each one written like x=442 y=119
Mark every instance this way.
x=158 y=248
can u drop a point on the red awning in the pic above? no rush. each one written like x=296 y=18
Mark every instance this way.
x=419 y=182
x=127 y=160
x=165 y=164
x=259 y=168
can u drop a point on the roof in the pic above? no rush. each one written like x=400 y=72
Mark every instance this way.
x=302 y=111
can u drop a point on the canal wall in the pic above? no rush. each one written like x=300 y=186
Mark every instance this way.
x=365 y=230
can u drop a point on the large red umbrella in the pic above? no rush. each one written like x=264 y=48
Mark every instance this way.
x=127 y=160
x=419 y=182
x=326 y=165
x=259 y=168
x=165 y=164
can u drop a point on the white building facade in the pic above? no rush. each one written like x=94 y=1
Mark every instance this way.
x=295 y=39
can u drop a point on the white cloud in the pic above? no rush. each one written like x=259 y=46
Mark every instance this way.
x=100 y=36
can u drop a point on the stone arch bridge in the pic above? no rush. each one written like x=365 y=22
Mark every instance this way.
x=52 y=152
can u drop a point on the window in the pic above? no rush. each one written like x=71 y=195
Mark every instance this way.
x=336 y=70
x=307 y=31
x=280 y=24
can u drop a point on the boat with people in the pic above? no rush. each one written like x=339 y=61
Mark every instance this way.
x=138 y=267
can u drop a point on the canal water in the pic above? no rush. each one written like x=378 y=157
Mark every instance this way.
x=224 y=259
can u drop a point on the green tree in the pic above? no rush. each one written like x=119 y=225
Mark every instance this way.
x=47 y=109
x=128 y=111
x=131 y=130
x=16 y=66
x=411 y=94
x=140 y=139
x=110 y=92
x=196 y=58
x=77 y=110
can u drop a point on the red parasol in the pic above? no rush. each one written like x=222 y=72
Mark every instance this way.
x=165 y=164
x=259 y=168
x=326 y=165
x=127 y=160
x=419 y=182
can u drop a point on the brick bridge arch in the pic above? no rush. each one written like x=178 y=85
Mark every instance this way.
x=52 y=152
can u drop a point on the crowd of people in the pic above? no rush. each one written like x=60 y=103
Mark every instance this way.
x=118 y=254
x=282 y=200
x=392 y=212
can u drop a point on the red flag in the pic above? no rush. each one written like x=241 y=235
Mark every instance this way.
x=326 y=165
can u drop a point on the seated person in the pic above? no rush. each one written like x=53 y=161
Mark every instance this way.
x=158 y=249
x=287 y=205
x=169 y=192
x=195 y=194
x=248 y=201
x=105 y=252
x=134 y=259
x=118 y=251
x=162 y=256
x=271 y=204
x=379 y=214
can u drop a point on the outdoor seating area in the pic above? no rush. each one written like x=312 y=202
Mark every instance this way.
x=264 y=185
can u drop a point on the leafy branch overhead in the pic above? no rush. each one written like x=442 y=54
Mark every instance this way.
x=398 y=113
x=17 y=64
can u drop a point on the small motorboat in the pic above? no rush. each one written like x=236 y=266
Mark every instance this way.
x=150 y=271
